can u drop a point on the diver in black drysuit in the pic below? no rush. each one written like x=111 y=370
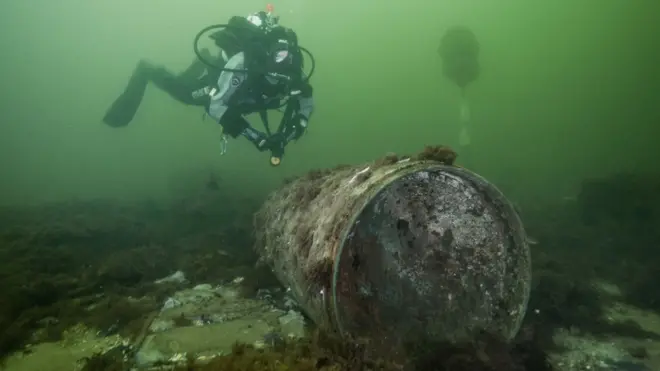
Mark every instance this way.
x=263 y=68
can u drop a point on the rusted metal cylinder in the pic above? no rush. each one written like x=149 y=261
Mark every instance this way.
x=399 y=251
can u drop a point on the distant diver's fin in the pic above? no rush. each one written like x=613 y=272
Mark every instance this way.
x=465 y=116
x=465 y=113
x=464 y=139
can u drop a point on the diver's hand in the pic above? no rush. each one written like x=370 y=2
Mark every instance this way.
x=261 y=141
x=275 y=143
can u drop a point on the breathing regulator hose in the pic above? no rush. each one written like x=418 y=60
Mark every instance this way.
x=222 y=68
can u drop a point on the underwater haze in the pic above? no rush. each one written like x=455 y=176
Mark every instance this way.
x=567 y=90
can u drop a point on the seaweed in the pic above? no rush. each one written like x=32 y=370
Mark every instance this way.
x=322 y=351
x=115 y=359
x=442 y=154
x=95 y=262
x=182 y=321
x=388 y=159
x=325 y=350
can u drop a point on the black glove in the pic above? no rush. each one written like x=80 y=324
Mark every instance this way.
x=275 y=143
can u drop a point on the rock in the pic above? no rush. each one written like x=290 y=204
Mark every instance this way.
x=290 y=303
x=203 y=287
x=176 y=277
x=585 y=352
x=195 y=296
x=148 y=356
x=205 y=322
x=292 y=324
x=214 y=339
x=228 y=293
x=171 y=303
x=160 y=324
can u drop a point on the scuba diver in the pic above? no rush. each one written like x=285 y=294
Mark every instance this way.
x=260 y=69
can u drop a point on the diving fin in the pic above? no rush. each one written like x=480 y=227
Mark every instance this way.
x=465 y=117
x=465 y=111
x=124 y=108
x=464 y=139
x=464 y=136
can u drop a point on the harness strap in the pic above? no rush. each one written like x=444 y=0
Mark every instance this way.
x=288 y=112
x=264 y=118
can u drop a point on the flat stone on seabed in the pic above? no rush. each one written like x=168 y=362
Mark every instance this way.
x=207 y=321
x=211 y=340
